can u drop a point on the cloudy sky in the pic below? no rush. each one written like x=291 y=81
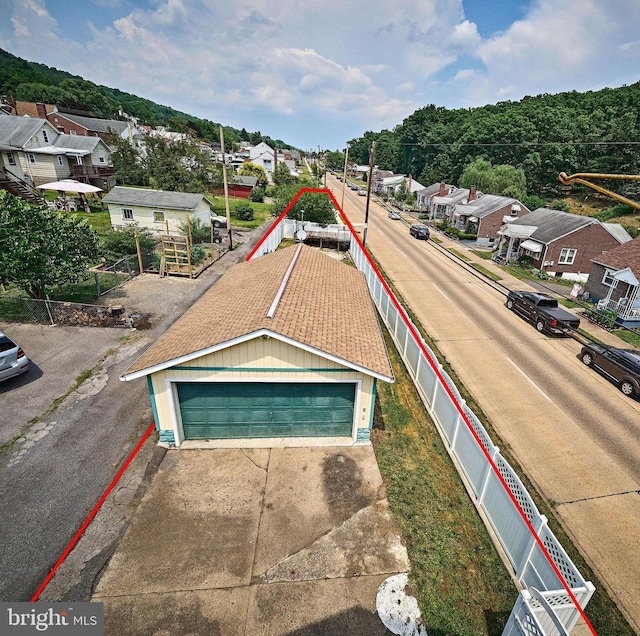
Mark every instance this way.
x=320 y=73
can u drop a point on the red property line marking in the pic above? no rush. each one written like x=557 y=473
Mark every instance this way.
x=461 y=412
x=92 y=514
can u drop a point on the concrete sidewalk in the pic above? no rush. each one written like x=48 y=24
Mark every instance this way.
x=256 y=541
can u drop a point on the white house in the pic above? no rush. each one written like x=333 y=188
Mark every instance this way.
x=156 y=210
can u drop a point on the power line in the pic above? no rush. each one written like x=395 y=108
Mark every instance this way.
x=527 y=143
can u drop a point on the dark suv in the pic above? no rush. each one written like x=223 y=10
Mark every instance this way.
x=419 y=231
x=621 y=366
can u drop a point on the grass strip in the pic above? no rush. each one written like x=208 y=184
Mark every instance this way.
x=603 y=613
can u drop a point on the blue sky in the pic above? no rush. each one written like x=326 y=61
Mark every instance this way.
x=316 y=74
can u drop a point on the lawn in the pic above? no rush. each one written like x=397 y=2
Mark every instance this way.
x=462 y=586
x=262 y=211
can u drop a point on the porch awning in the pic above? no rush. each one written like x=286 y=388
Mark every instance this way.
x=531 y=246
x=473 y=219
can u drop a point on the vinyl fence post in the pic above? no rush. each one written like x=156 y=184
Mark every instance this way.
x=46 y=304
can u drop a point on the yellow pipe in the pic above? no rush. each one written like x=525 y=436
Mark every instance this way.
x=579 y=178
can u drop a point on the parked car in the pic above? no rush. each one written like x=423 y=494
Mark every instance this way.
x=543 y=311
x=219 y=221
x=420 y=232
x=353 y=186
x=621 y=366
x=13 y=360
x=362 y=192
x=394 y=215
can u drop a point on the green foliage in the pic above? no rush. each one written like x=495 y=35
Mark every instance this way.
x=282 y=175
x=116 y=244
x=557 y=204
x=502 y=180
x=257 y=194
x=614 y=212
x=311 y=206
x=248 y=169
x=40 y=249
x=335 y=160
x=244 y=212
x=541 y=135
x=533 y=202
x=200 y=231
x=29 y=81
x=197 y=254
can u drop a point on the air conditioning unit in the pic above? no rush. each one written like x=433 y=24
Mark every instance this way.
x=547 y=263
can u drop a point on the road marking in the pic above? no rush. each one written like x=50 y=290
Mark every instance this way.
x=526 y=377
x=447 y=297
x=403 y=254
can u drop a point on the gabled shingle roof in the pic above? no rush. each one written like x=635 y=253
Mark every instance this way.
x=153 y=198
x=77 y=142
x=625 y=255
x=97 y=125
x=552 y=224
x=16 y=131
x=325 y=306
x=486 y=204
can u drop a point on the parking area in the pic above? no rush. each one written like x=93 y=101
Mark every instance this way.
x=57 y=356
x=256 y=541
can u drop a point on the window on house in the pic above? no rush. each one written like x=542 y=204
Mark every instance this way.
x=59 y=160
x=73 y=132
x=12 y=158
x=567 y=256
x=607 y=279
x=101 y=159
x=515 y=209
x=158 y=216
x=32 y=158
x=45 y=136
x=127 y=214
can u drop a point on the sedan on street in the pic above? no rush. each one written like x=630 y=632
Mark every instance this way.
x=620 y=366
x=419 y=232
x=13 y=360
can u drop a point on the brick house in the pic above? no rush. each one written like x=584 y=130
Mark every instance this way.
x=559 y=243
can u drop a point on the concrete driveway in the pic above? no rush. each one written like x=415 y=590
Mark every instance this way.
x=256 y=541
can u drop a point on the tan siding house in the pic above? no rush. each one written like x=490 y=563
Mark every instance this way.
x=291 y=357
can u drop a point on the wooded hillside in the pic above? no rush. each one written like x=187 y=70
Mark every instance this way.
x=31 y=82
x=596 y=131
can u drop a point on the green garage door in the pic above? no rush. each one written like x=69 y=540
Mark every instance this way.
x=213 y=410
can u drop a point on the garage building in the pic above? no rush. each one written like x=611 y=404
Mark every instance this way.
x=285 y=350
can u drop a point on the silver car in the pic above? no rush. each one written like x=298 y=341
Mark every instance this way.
x=13 y=360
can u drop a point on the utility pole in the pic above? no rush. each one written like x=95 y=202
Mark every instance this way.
x=369 y=180
x=344 y=176
x=226 y=188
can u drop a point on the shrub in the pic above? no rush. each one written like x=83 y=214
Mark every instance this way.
x=257 y=195
x=200 y=231
x=197 y=254
x=116 y=244
x=244 y=212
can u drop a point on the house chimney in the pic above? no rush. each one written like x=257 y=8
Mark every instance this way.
x=41 y=109
x=473 y=195
x=443 y=190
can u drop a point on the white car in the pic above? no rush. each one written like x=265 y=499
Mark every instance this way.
x=13 y=360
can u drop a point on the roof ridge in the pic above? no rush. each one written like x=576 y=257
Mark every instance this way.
x=283 y=283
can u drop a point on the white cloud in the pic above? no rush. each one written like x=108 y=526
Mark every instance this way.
x=326 y=67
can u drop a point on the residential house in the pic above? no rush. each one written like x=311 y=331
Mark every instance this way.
x=263 y=155
x=485 y=215
x=283 y=350
x=156 y=210
x=441 y=207
x=33 y=152
x=69 y=124
x=559 y=243
x=613 y=282
x=425 y=195
x=29 y=109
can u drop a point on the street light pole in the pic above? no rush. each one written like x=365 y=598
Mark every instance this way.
x=344 y=176
x=369 y=179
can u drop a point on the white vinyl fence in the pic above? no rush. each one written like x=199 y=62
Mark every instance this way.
x=496 y=488
x=544 y=608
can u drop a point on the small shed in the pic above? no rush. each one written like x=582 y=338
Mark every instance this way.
x=156 y=210
x=284 y=350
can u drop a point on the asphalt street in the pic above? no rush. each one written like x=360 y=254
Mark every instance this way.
x=52 y=475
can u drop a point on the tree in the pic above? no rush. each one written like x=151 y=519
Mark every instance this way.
x=40 y=248
x=282 y=175
x=257 y=194
x=503 y=180
x=244 y=212
x=248 y=169
x=311 y=206
x=116 y=244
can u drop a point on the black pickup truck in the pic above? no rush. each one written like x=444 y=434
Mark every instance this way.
x=543 y=311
